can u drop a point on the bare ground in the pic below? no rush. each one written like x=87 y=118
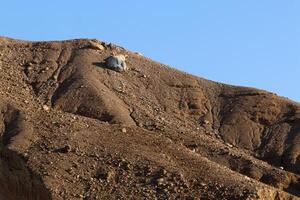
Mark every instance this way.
x=72 y=129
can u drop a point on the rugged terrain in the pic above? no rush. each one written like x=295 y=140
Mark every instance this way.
x=72 y=129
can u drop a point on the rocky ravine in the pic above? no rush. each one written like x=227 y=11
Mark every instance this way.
x=72 y=129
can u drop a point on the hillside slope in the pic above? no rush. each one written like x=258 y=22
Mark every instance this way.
x=72 y=129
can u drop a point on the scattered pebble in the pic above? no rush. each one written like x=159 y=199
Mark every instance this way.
x=206 y=122
x=229 y=145
x=46 y=108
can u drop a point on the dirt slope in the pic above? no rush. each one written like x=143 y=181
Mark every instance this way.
x=72 y=129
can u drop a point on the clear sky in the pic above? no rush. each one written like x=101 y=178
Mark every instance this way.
x=242 y=42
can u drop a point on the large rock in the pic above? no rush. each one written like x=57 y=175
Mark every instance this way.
x=116 y=63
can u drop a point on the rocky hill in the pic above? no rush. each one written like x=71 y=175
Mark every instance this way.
x=72 y=129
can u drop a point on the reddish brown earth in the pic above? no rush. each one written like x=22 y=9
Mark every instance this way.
x=72 y=129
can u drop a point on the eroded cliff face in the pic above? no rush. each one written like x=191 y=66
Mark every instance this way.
x=72 y=129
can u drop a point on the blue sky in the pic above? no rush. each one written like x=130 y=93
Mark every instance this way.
x=251 y=43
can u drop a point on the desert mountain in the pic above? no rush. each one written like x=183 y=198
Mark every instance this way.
x=70 y=128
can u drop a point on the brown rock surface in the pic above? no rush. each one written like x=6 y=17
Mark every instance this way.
x=63 y=116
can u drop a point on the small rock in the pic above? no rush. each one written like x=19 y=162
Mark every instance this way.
x=203 y=184
x=107 y=175
x=35 y=61
x=55 y=77
x=160 y=181
x=124 y=130
x=65 y=149
x=26 y=155
x=138 y=53
x=140 y=124
x=46 y=108
x=96 y=46
x=206 y=122
x=229 y=145
x=110 y=45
